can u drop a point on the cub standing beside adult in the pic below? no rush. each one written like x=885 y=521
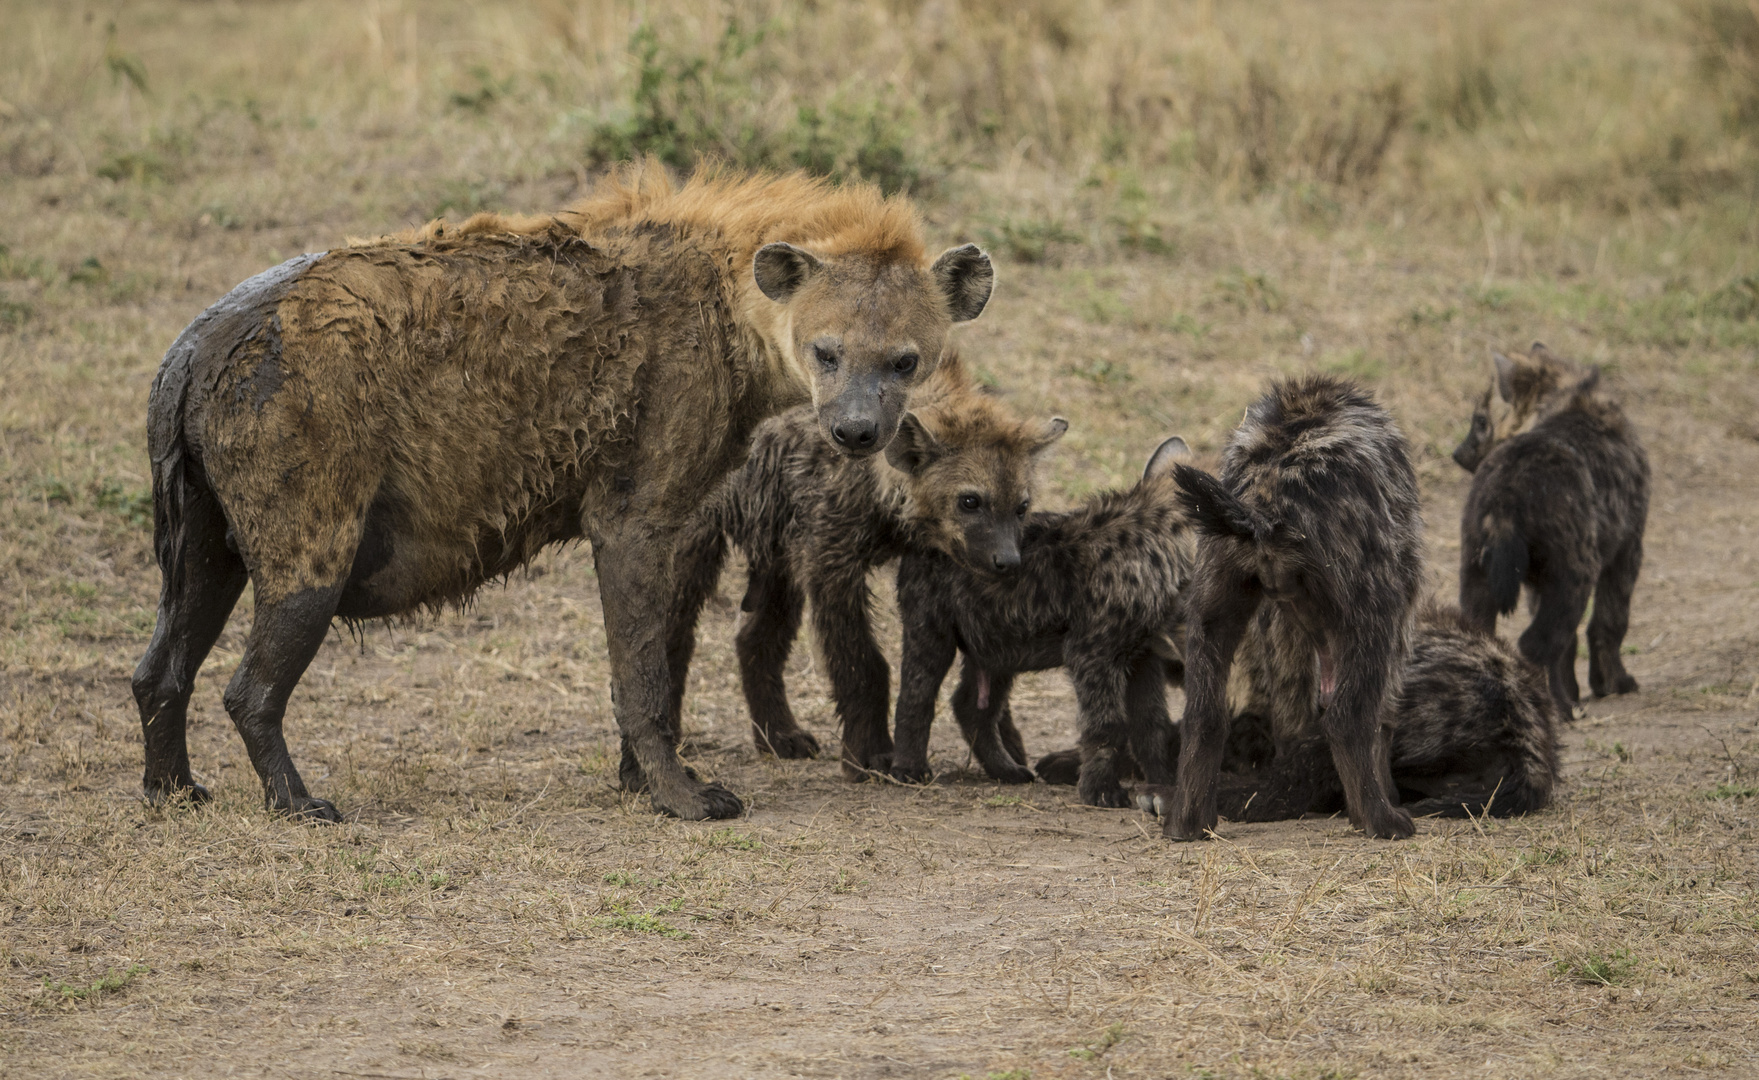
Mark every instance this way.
x=384 y=427
x=1559 y=499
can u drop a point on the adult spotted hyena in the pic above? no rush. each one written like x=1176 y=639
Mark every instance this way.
x=1474 y=731
x=383 y=427
x=1095 y=591
x=1316 y=511
x=1559 y=500
x=813 y=524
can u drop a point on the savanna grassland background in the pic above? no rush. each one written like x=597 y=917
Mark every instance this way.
x=1183 y=199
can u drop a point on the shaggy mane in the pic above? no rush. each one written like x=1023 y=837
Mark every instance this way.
x=746 y=211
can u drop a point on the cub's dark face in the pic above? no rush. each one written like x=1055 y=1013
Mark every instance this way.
x=970 y=501
x=1480 y=437
x=1514 y=400
x=865 y=333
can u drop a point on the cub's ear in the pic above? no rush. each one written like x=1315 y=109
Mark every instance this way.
x=1506 y=370
x=966 y=277
x=1165 y=456
x=781 y=269
x=1052 y=431
x=913 y=448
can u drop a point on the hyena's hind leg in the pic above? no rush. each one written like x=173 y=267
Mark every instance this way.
x=980 y=701
x=284 y=637
x=203 y=578
x=771 y=620
x=1612 y=616
x=1550 y=639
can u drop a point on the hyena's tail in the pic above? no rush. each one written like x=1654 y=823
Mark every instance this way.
x=1213 y=508
x=1504 y=559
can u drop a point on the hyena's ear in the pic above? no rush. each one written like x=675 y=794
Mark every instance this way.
x=1052 y=431
x=966 y=278
x=913 y=448
x=1506 y=371
x=1165 y=456
x=781 y=269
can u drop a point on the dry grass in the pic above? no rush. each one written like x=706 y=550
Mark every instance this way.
x=1187 y=199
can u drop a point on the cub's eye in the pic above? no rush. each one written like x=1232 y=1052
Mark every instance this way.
x=825 y=357
x=905 y=364
x=970 y=502
x=1021 y=509
x=1479 y=423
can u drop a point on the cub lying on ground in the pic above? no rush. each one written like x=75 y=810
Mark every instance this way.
x=1095 y=590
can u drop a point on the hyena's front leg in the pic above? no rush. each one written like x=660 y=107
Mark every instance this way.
x=980 y=703
x=634 y=568
x=861 y=680
x=928 y=653
x=1223 y=603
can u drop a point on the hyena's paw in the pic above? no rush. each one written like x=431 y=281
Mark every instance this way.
x=1391 y=823
x=1156 y=799
x=1109 y=795
x=708 y=802
x=911 y=774
x=1187 y=826
x=170 y=794
x=1060 y=767
x=1010 y=774
x=785 y=744
x=307 y=808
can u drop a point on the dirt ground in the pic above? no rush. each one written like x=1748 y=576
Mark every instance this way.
x=494 y=906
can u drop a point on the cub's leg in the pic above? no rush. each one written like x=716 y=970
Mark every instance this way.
x=202 y=579
x=1102 y=685
x=1550 y=640
x=928 y=653
x=772 y=608
x=699 y=564
x=1223 y=603
x=1153 y=739
x=1606 y=627
x=861 y=680
x=1355 y=725
x=980 y=703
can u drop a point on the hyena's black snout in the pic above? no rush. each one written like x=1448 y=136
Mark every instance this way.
x=1466 y=456
x=1005 y=559
x=856 y=433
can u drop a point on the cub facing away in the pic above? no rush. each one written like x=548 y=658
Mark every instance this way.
x=1559 y=500
x=1316 y=512
x=813 y=524
x=1474 y=733
x=1096 y=591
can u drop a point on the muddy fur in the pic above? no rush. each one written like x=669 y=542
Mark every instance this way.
x=1096 y=591
x=1475 y=729
x=381 y=428
x=813 y=525
x=1559 y=500
x=1316 y=512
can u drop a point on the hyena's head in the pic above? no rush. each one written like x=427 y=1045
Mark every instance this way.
x=1516 y=398
x=968 y=469
x=864 y=329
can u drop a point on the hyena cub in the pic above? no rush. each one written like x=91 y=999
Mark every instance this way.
x=1558 y=503
x=1474 y=732
x=1316 y=511
x=813 y=523
x=1096 y=590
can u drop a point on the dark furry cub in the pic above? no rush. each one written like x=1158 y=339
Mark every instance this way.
x=1097 y=591
x=813 y=524
x=1558 y=504
x=1474 y=734
x=1316 y=511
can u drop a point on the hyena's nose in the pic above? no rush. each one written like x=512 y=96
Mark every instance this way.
x=1006 y=560
x=855 y=434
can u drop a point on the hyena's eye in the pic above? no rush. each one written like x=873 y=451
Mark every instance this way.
x=1479 y=423
x=905 y=364
x=825 y=357
x=1021 y=509
x=970 y=502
